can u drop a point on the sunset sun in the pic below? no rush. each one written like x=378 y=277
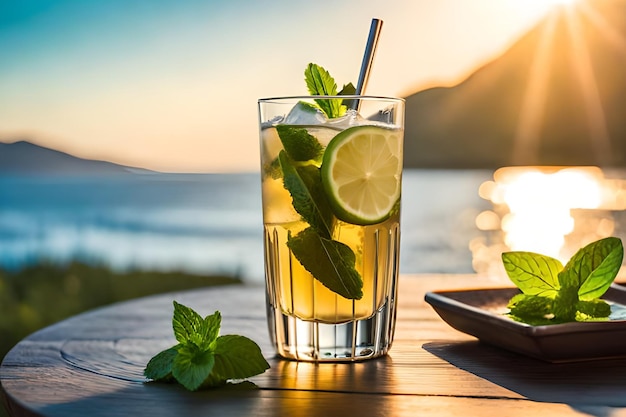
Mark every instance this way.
x=544 y=6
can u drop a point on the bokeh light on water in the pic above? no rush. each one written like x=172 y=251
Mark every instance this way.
x=548 y=210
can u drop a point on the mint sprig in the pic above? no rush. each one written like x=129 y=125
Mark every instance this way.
x=320 y=83
x=202 y=358
x=329 y=261
x=553 y=293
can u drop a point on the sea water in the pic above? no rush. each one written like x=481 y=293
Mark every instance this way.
x=209 y=223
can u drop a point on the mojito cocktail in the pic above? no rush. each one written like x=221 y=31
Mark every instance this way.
x=331 y=181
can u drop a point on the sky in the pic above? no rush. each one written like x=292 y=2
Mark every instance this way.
x=172 y=85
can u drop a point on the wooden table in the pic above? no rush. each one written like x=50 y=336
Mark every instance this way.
x=92 y=364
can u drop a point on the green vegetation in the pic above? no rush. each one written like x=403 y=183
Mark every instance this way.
x=43 y=294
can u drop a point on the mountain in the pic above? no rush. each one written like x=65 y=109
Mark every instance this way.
x=23 y=157
x=578 y=120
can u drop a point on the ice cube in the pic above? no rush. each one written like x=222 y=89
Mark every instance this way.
x=349 y=119
x=385 y=116
x=305 y=114
x=272 y=122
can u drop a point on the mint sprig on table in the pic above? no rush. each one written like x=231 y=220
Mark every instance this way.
x=202 y=358
x=329 y=261
x=553 y=293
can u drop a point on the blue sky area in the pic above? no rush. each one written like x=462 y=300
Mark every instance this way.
x=172 y=85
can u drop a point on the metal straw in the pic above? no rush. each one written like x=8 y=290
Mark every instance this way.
x=368 y=58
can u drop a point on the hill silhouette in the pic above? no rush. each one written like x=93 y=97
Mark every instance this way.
x=556 y=97
x=23 y=157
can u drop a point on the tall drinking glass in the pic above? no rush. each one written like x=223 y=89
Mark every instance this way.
x=331 y=212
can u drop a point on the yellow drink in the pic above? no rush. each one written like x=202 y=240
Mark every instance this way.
x=303 y=296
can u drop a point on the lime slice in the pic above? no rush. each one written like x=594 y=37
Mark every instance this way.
x=361 y=172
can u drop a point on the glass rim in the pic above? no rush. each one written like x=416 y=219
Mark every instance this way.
x=342 y=97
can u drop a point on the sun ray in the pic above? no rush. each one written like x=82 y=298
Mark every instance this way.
x=544 y=7
x=607 y=30
x=526 y=142
x=581 y=63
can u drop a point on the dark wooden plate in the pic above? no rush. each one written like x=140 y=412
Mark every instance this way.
x=482 y=314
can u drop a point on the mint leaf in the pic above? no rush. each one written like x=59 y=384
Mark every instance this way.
x=160 y=366
x=348 y=90
x=329 y=261
x=556 y=294
x=536 y=306
x=531 y=309
x=187 y=324
x=272 y=169
x=299 y=144
x=203 y=358
x=192 y=366
x=593 y=268
x=594 y=309
x=533 y=273
x=565 y=304
x=210 y=328
x=320 y=83
x=238 y=357
x=305 y=106
x=304 y=183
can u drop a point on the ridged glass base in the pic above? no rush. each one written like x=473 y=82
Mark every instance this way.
x=312 y=341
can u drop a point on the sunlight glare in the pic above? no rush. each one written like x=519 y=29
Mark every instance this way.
x=540 y=207
x=543 y=7
x=546 y=5
x=548 y=210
